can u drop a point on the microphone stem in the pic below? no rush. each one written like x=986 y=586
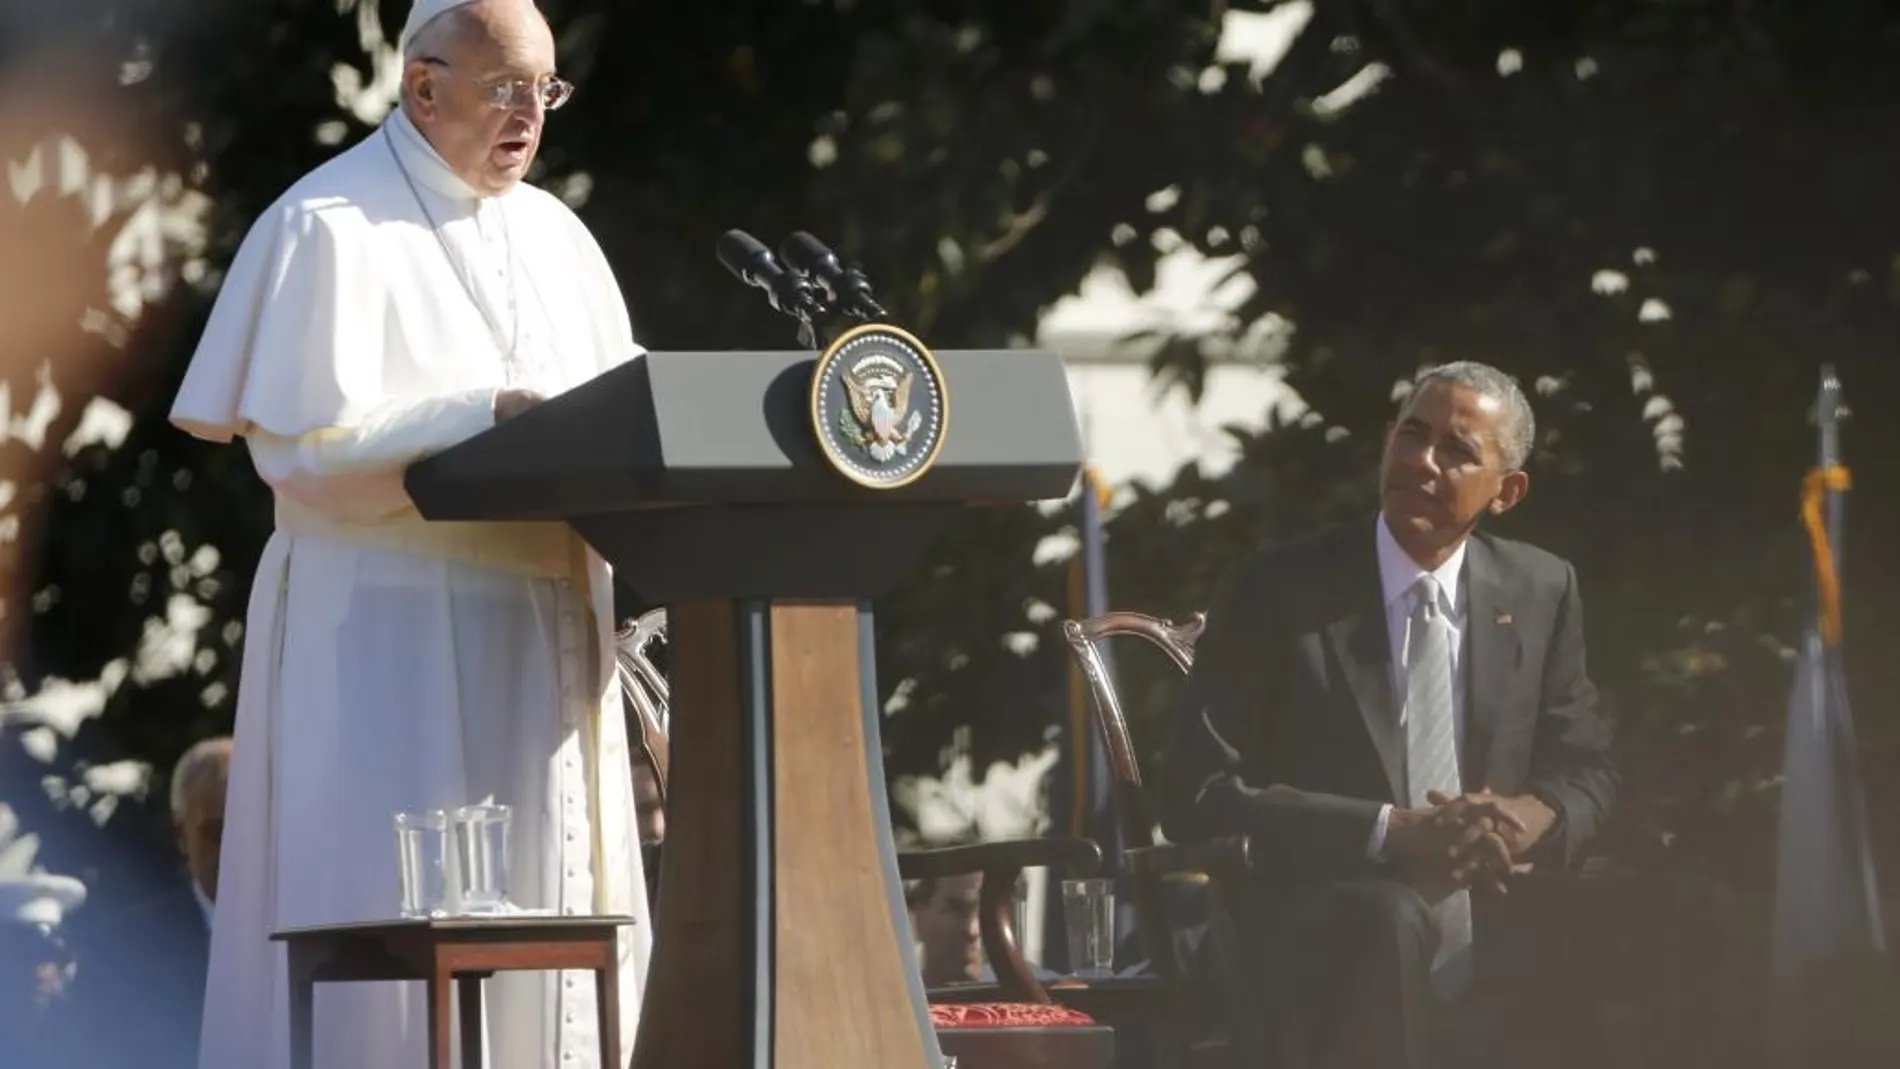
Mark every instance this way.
x=825 y=329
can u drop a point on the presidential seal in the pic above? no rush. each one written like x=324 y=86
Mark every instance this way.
x=879 y=406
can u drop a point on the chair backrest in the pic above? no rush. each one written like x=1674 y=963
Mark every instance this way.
x=1088 y=640
x=644 y=688
x=640 y=678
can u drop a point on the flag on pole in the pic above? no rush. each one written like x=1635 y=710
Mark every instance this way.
x=1827 y=899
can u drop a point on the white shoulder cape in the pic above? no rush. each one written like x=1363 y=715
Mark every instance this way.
x=340 y=301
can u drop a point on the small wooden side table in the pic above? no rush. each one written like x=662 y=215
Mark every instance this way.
x=452 y=952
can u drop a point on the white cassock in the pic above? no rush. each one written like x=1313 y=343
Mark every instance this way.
x=394 y=664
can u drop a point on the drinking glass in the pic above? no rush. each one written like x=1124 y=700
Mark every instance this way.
x=481 y=853
x=1088 y=911
x=425 y=865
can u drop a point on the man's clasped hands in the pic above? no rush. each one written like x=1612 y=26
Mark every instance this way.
x=1471 y=840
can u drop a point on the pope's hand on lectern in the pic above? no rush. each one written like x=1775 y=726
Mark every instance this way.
x=510 y=403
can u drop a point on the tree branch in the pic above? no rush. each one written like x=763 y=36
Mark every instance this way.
x=1021 y=223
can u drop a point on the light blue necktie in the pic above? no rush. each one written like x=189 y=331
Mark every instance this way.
x=1431 y=764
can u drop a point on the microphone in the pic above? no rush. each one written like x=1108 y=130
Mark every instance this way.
x=846 y=287
x=753 y=264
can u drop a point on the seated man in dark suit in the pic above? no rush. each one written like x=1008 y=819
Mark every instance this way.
x=138 y=995
x=1399 y=717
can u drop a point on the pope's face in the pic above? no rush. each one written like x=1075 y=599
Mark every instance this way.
x=479 y=103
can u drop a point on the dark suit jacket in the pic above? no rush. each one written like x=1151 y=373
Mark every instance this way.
x=138 y=995
x=1289 y=730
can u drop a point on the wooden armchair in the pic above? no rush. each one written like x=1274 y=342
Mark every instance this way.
x=1151 y=865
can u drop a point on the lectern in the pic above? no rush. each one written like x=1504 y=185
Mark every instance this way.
x=764 y=498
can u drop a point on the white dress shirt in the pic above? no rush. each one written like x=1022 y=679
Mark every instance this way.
x=1398 y=573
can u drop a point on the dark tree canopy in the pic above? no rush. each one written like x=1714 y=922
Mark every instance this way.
x=969 y=156
x=1661 y=216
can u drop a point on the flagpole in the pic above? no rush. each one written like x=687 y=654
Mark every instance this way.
x=1104 y=823
x=1087 y=596
x=1827 y=896
x=1828 y=414
x=1081 y=800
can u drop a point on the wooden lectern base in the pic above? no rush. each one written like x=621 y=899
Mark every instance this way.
x=782 y=941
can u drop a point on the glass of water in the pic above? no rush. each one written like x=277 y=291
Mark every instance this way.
x=426 y=865
x=1088 y=911
x=481 y=853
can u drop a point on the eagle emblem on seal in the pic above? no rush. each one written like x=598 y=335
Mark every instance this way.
x=878 y=418
x=879 y=406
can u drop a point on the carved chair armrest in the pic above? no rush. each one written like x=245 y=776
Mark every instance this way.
x=1001 y=864
x=1228 y=856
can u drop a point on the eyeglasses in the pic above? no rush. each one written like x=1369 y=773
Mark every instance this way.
x=510 y=94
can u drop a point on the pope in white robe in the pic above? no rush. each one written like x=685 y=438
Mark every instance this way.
x=397 y=300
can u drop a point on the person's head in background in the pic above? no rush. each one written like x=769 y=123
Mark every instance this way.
x=197 y=805
x=944 y=916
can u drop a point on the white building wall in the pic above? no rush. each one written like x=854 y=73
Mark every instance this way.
x=1132 y=431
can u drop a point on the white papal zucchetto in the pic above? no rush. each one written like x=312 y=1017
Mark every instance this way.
x=423 y=13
